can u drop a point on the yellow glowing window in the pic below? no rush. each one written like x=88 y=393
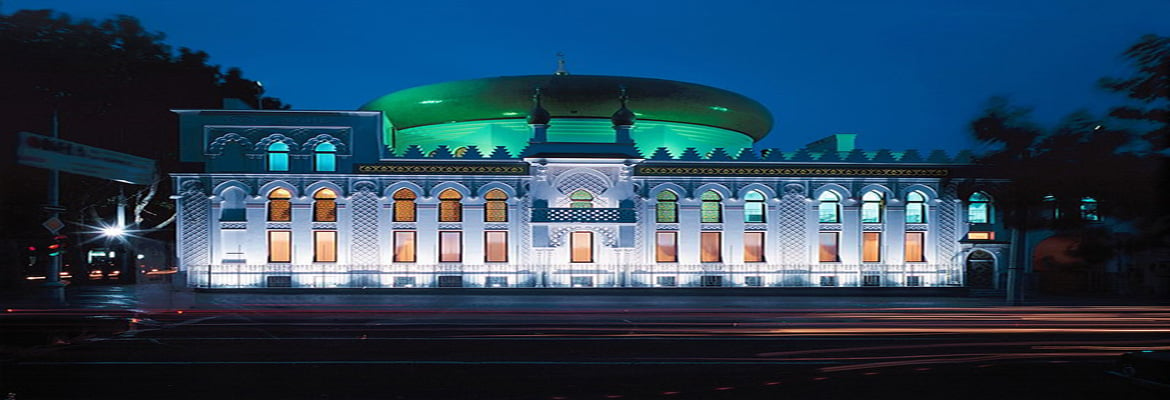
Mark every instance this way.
x=404 y=246
x=582 y=247
x=279 y=246
x=496 y=208
x=404 y=205
x=325 y=246
x=450 y=209
x=495 y=244
x=828 y=247
x=915 y=244
x=325 y=206
x=666 y=247
x=981 y=235
x=280 y=206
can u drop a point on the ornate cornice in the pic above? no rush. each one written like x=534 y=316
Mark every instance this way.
x=443 y=169
x=693 y=170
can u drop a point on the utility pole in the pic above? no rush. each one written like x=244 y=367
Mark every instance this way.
x=53 y=283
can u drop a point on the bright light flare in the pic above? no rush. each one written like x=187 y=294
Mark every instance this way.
x=113 y=231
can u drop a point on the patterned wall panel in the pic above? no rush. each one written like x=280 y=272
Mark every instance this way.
x=793 y=209
x=364 y=250
x=196 y=225
x=948 y=219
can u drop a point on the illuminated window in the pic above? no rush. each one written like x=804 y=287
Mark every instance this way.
x=450 y=207
x=279 y=246
x=872 y=204
x=450 y=246
x=666 y=245
x=981 y=235
x=582 y=247
x=1051 y=207
x=915 y=245
x=324 y=246
x=404 y=205
x=1089 y=210
x=496 y=208
x=828 y=247
x=667 y=209
x=495 y=245
x=711 y=247
x=279 y=206
x=979 y=208
x=325 y=157
x=829 y=210
x=404 y=246
x=753 y=247
x=915 y=208
x=278 y=156
x=871 y=247
x=712 y=208
x=581 y=199
x=325 y=206
x=753 y=208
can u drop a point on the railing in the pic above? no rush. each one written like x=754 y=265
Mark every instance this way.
x=573 y=275
x=620 y=215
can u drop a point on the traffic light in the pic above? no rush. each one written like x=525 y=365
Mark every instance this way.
x=57 y=246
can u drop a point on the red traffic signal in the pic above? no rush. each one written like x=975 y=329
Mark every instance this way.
x=58 y=245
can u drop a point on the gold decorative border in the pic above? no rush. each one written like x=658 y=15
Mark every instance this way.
x=444 y=169
x=760 y=171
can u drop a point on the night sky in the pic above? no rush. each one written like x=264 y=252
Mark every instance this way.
x=902 y=74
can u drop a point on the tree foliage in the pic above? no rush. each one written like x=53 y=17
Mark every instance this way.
x=109 y=84
x=1150 y=85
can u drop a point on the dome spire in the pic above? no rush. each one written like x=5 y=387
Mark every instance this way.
x=538 y=115
x=623 y=116
x=561 y=65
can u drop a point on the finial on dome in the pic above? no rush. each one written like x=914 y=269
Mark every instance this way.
x=561 y=64
x=623 y=116
x=538 y=115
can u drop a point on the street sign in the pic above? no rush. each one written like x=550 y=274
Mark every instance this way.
x=62 y=155
x=53 y=224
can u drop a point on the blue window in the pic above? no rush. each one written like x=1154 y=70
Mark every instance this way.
x=915 y=208
x=325 y=157
x=753 y=207
x=830 y=208
x=278 y=157
x=979 y=208
x=872 y=204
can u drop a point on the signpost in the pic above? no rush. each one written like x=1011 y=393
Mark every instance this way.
x=62 y=155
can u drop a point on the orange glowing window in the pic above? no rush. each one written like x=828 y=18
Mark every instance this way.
x=404 y=205
x=666 y=246
x=280 y=206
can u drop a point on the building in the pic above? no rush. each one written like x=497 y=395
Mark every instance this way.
x=566 y=181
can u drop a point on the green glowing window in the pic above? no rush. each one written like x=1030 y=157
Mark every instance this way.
x=915 y=208
x=496 y=208
x=404 y=205
x=667 y=208
x=450 y=209
x=1089 y=210
x=325 y=206
x=979 y=208
x=581 y=199
x=278 y=157
x=753 y=208
x=712 y=208
x=829 y=210
x=325 y=157
x=872 y=204
x=280 y=206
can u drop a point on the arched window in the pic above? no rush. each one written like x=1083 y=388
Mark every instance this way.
x=1051 y=208
x=829 y=210
x=496 y=208
x=404 y=205
x=872 y=205
x=915 y=208
x=279 y=205
x=1089 y=210
x=753 y=207
x=581 y=198
x=278 y=156
x=712 y=208
x=979 y=208
x=450 y=207
x=667 y=209
x=325 y=206
x=325 y=157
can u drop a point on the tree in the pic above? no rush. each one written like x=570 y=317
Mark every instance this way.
x=1150 y=85
x=108 y=84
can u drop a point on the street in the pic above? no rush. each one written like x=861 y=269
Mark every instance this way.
x=551 y=346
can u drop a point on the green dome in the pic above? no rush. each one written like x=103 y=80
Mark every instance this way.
x=573 y=96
